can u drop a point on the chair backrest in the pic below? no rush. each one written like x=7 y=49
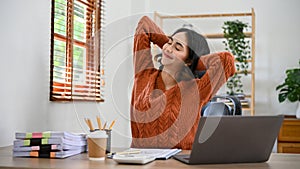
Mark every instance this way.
x=220 y=108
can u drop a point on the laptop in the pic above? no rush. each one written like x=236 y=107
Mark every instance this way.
x=233 y=139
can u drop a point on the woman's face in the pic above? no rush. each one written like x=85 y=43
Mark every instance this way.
x=175 y=52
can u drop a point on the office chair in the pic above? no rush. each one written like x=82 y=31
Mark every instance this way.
x=220 y=108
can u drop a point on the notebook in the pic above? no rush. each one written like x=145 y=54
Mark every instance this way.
x=233 y=139
x=144 y=155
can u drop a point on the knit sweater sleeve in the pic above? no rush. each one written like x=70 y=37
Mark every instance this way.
x=146 y=32
x=219 y=67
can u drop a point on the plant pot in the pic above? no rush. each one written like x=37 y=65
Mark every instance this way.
x=298 y=111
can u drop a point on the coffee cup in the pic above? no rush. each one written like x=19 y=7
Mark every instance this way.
x=96 y=142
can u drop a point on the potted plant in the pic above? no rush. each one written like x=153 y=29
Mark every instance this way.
x=290 y=88
x=236 y=43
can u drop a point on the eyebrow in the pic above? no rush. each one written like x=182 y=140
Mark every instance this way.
x=177 y=43
x=181 y=45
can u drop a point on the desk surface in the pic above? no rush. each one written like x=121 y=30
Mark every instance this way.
x=276 y=161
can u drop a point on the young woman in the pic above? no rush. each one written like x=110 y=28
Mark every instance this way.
x=166 y=102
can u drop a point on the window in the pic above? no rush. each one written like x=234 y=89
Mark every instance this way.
x=75 y=51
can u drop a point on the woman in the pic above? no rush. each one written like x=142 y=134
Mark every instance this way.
x=166 y=102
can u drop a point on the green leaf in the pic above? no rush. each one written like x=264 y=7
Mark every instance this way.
x=281 y=97
x=280 y=86
x=292 y=97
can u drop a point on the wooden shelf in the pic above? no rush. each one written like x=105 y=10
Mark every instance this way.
x=249 y=60
x=247 y=109
x=248 y=95
x=204 y=15
x=249 y=72
x=221 y=35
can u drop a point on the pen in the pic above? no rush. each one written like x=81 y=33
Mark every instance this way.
x=127 y=152
x=110 y=155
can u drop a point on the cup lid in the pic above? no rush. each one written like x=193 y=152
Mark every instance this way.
x=98 y=134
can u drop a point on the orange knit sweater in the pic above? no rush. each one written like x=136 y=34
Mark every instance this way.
x=169 y=118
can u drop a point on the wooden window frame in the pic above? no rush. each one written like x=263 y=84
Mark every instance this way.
x=68 y=89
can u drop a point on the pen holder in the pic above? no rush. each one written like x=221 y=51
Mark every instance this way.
x=108 y=143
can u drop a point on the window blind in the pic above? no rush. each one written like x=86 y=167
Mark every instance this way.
x=76 y=69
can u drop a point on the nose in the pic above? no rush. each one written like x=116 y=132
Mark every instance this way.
x=169 y=48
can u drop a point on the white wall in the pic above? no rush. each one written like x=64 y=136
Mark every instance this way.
x=24 y=66
x=25 y=39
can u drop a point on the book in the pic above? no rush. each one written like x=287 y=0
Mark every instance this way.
x=49 y=134
x=44 y=141
x=47 y=147
x=49 y=144
x=48 y=154
x=143 y=156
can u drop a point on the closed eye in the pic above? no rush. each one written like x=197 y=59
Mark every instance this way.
x=178 y=45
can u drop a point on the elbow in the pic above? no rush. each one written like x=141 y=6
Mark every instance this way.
x=144 y=19
x=229 y=64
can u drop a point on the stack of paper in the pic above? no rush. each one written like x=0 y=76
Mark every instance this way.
x=50 y=144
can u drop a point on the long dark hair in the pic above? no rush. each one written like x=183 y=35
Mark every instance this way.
x=198 y=47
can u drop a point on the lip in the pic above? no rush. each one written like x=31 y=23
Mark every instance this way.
x=168 y=56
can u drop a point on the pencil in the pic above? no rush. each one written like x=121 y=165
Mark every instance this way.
x=91 y=125
x=99 y=122
x=104 y=126
x=112 y=124
x=86 y=121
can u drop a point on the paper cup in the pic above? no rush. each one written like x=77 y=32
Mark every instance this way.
x=97 y=141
